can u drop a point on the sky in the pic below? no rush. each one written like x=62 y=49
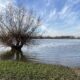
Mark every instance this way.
x=59 y=17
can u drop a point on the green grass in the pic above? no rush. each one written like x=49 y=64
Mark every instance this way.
x=13 y=70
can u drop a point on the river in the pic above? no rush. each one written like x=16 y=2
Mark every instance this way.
x=54 y=51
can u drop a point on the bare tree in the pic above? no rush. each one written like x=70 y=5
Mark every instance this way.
x=17 y=26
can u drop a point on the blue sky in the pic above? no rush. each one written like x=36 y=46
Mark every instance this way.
x=59 y=17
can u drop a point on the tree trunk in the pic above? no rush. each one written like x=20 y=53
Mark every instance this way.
x=16 y=48
x=17 y=51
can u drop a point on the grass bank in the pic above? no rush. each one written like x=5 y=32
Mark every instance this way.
x=12 y=70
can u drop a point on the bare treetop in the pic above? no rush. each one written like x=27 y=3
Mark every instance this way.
x=17 y=26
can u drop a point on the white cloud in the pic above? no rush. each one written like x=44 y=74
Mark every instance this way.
x=3 y=3
x=64 y=10
x=72 y=2
x=50 y=32
x=48 y=2
x=52 y=13
x=67 y=17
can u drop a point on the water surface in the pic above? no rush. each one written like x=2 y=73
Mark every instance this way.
x=56 y=51
x=53 y=51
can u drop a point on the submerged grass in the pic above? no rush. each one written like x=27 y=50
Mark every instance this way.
x=13 y=70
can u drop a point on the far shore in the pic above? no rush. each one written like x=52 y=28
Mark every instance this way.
x=56 y=37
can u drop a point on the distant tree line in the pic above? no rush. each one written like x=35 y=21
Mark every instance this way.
x=55 y=37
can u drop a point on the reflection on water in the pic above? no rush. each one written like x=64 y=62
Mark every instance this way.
x=7 y=54
x=10 y=55
x=50 y=51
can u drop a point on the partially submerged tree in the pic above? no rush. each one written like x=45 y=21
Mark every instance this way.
x=17 y=26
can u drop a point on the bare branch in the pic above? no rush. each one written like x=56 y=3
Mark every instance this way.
x=17 y=26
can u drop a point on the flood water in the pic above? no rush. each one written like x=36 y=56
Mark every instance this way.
x=54 y=51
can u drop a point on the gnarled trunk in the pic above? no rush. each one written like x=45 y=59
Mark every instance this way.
x=17 y=47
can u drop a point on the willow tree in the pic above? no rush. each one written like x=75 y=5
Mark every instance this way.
x=17 y=26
